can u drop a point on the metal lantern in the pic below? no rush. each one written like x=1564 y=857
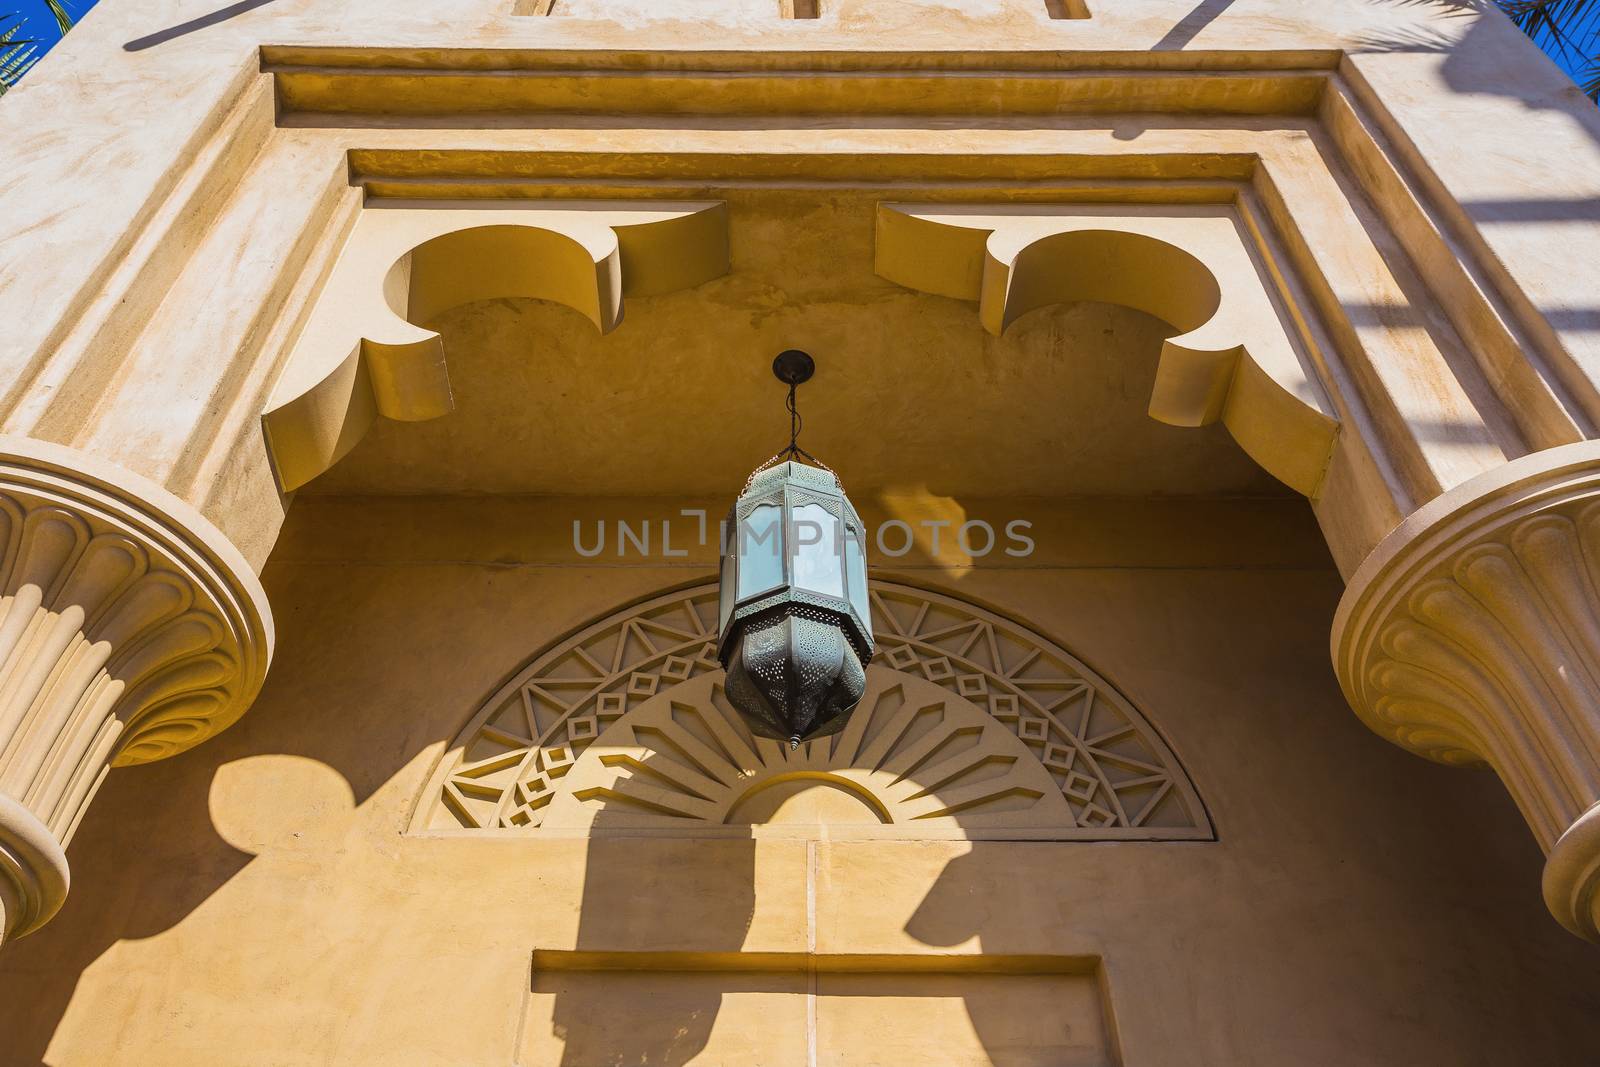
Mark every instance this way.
x=796 y=627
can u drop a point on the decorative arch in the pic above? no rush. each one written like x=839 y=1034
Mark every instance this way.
x=973 y=726
x=364 y=354
x=1235 y=358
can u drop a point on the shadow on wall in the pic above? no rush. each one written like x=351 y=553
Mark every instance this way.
x=634 y=897
x=1475 y=36
x=136 y=880
x=150 y=851
x=149 y=855
x=1475 y=39
x=667 y=895
x=1189 y=27
x=136 y=872
x=1473 y=64
x=183 y=29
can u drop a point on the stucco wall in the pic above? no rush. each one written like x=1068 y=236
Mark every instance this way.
x=181 y=181
x=255 y=901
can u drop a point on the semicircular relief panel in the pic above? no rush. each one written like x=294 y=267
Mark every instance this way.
x=972 y=727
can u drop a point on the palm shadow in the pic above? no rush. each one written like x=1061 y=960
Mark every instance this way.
x=1475 y=59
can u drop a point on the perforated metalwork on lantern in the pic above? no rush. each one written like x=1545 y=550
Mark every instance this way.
x=796 y=627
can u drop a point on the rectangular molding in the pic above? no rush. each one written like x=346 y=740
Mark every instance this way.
x=802 y=1009
x=314 y=81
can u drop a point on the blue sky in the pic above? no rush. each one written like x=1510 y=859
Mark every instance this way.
x=38 y=23
x=1585 y=34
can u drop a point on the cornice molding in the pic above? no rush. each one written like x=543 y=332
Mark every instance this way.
x=427 y=83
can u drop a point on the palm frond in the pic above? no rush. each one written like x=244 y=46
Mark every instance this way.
x=1591 y=80
x=63 y=17
x=1556 y=25
x=17 y=54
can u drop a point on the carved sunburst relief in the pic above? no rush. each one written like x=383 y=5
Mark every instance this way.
x=912 y=753
x=972 y=726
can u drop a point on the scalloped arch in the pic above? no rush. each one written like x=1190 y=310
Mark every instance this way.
x=365 y=354
x=1235 y=358
x=975 y=726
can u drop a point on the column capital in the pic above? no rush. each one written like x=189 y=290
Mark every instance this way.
x=130 y=630
x=1471 y=636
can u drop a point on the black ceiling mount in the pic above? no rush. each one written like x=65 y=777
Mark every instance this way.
x=793 y=367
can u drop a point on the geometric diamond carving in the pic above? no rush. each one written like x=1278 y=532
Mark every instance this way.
x=1057 y=758
x=1032 y=728
x=972 y=685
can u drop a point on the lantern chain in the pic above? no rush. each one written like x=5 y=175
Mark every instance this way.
x=792 y=449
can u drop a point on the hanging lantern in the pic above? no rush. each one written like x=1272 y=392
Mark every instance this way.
x=796 y=627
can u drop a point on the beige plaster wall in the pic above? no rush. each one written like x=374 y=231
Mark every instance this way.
x=162 y=230
x=255 y=902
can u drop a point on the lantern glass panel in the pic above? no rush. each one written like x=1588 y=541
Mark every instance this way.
x=759 y=544
x=855 y=563
x=818 y=566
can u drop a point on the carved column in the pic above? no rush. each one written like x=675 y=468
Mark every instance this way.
x=130 y=630
x=1471 y=635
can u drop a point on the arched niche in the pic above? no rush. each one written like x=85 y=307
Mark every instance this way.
x=974 y=726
